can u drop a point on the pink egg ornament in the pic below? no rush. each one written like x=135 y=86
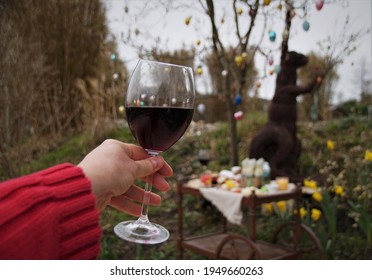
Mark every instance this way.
x=238 y=115
x=270 y=60
x=319 y=4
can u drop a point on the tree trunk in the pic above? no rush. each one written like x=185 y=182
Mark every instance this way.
x=233 y=131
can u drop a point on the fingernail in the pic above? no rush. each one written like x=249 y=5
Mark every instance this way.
x=154 y=162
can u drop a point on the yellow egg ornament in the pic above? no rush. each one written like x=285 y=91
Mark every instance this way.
x=240 y=11
x=239 y=60
x=267 y=2
x=198 y=42
x=187 y=20
x=199 y=70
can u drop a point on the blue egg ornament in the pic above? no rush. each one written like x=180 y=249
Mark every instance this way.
x=272 y=36
x=238 y=100
x=306 y=25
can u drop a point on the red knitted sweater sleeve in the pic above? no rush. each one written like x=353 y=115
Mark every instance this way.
x=50 y=214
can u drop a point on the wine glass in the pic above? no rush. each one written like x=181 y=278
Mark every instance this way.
x=159 y=105
x=204 y=156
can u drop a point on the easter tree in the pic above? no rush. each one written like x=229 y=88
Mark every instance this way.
x=259 y=13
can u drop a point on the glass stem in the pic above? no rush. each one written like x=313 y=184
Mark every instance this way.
x=146 y=197
x=146 y=200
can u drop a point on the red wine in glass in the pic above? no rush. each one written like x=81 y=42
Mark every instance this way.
x=158 y=128
x=204 y=161
x=204 y=157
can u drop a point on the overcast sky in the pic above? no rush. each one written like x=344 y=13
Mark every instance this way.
x=174 y=33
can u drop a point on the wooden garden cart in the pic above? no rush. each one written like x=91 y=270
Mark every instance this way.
x=291 y=240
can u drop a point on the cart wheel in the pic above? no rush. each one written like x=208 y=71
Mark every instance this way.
x=308 y=246
x=237 y=247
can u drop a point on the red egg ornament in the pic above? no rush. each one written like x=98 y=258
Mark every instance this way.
x=319 y=4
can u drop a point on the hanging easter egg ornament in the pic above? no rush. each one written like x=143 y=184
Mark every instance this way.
x=187 y=20
x=277 y=69
x=198 y=42
x=238 y=115
x=239 y=60
x=306 y=25
x=224 y=73
x=267 y=2
x=201 y=108
x=280 y=6
x=239 y=11
x=272 y=36
x=270 y=60
x=199 y=70
x=319 y=4
x=113 y=57
x=115 y=76
x=271 y=71
x=238 y=100
x=258 y=84
x=121 y=109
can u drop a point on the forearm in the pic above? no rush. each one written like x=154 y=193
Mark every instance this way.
x=49 y=215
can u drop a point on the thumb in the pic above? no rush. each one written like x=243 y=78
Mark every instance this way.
x=148 y=166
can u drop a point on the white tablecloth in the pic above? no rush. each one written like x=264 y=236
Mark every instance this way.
x=228 y=203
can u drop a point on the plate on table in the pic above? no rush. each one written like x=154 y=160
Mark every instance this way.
x=274 y=188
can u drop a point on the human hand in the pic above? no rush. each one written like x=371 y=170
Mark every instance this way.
x=112 y=169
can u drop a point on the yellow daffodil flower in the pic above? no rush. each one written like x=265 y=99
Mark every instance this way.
x=330 y=145
x=302 y=212
x=368 y=155
x=281 y=205
x=311 y=184
x=339 y=190
x=317 y=196
x=315 y=214
x=268 y=207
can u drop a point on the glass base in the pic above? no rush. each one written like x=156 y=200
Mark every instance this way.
x=141 y=232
